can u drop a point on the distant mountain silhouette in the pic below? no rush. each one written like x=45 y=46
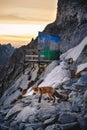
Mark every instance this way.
x=6 y=52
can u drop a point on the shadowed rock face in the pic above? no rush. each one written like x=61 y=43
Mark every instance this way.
x=14 y=67
x=72 y=11
x=70 y=23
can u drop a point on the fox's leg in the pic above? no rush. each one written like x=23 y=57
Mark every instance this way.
x=40 y=98
x=53 y=98
x=50 y=97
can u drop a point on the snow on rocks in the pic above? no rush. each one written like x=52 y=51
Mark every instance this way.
x=12 y=97
x=81 y=67
x=17 y=108
x=34 y=74
x=54 y=75
x=29 y=92
x=15 y=92
x=48 y=69
x=74 y=52
x=24 y=81
x=57 y=76
x=25 y=113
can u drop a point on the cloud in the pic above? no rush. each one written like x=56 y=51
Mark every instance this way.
x=35 y=12
x=27 y=11
x=29 y=3
x=15 y=40
x=39 y=18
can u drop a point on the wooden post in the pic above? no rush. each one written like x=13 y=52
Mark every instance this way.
x=38 y=58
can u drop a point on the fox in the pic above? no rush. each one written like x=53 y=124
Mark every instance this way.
x=50 y=91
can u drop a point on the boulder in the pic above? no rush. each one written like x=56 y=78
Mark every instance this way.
x=63 y=106
x=53 y=127
x=82 y=120
x=17 y=108
x=50 y=121
x=35 y=126
x=25 y=113
x=82 y=82
x=67 y=117
x=69 y=126
x=29 y=128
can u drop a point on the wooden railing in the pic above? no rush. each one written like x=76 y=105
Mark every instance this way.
x=31 y=57
x=36 y=58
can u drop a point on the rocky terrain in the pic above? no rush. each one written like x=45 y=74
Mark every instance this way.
x=10 y=71
x=19 y=109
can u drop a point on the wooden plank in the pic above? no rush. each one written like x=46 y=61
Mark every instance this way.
x=35 y=59
x=31 y=56
x=39 y=61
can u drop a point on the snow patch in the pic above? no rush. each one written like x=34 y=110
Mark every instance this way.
x=49 y=68
x=29 y=92
x=57 y=76
x=81 y=67
x=34 y=74
x=74 y=52
x=24 y=81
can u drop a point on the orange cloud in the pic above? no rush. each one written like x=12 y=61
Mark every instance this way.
x=15 y=40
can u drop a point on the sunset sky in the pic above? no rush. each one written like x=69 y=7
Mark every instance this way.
x=20 y=20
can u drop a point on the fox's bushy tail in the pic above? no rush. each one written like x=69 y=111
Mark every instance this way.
x=59 y=95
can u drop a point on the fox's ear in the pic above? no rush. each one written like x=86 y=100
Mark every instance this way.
x=39 y=89
x=34 y=88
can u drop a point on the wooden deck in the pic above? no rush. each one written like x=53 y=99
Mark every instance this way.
x=35 y=59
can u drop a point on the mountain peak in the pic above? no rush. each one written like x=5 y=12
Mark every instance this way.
x=5 y=52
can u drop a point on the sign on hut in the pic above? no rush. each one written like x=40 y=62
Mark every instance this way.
x=48 y=46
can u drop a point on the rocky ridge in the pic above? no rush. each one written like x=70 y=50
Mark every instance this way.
x=16 y=65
